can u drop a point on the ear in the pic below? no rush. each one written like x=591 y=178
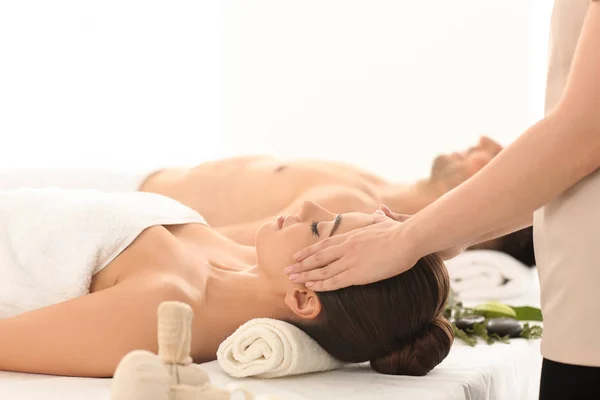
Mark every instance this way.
x=303 y=302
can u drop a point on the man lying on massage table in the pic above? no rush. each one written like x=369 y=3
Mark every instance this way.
x=238 y=195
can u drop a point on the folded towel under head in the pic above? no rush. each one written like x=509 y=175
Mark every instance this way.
x=269 y=348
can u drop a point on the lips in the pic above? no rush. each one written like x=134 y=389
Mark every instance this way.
x=280 y=221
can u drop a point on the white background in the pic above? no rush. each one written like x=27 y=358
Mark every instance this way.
x=385 y=84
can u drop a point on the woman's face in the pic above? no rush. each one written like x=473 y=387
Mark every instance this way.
x=453 y=169
x=277 y=241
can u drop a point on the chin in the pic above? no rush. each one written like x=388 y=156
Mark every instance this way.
x=263 y=232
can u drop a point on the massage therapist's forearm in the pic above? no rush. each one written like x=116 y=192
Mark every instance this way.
x=518 y=224
x=523 y=177
x=522 y=222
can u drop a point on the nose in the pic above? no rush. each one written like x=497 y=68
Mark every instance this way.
x=305 y=210
x=312 y=211
x=487 y=143
x=290 y=220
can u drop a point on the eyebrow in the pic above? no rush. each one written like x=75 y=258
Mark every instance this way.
x=336 y=224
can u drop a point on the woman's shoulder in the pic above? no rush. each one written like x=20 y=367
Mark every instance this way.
x=156 y=255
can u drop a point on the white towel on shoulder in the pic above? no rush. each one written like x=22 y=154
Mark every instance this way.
x=52 y=241
x=269 y=348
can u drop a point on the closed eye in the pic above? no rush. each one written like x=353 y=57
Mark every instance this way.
x=313 y=228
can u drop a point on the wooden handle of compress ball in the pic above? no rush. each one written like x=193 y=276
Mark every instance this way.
x=175 y=332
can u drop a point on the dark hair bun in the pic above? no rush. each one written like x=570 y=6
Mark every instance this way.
x=422 y=355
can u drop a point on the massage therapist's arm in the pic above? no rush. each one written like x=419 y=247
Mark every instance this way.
x=86 y=336
x=545 y=161
x=522 y=222
x=515 y=225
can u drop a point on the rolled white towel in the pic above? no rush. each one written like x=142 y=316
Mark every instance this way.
x=488 y=275
x=269 y=348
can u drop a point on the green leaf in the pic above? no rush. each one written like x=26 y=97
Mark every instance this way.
x=493 y=309
x=480 y=330
x=531 y=331
x=503 y=339
x=460 y=334
x=454 y=310
x=527 y=313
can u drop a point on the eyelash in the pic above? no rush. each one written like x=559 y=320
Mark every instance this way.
x=313 y=228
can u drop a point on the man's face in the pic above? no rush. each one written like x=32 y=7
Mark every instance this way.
x=451 y=170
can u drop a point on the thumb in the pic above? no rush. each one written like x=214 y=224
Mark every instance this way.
x=385 y=209
x=389 y=212
x=379 y=216
x=393 y=215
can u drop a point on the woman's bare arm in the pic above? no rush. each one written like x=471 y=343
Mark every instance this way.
x=86 y=336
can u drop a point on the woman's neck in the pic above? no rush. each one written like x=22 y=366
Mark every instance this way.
x=235 y=283
x=233 y=294
x=222 y=252
x=245 y=293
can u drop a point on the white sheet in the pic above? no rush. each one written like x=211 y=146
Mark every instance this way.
x=496 y=372
x=122 y=180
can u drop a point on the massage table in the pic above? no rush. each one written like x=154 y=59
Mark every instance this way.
x=496 y=372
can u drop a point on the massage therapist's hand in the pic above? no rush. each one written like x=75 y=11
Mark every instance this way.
x=359 y=257
x=444 y=254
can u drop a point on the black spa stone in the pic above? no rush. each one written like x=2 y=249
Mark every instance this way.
x=466 y=323
x=504 y=327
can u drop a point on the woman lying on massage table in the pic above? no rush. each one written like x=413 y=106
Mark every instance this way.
x=171 y=255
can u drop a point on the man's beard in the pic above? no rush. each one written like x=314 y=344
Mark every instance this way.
x=440 y=168
x=447 y=171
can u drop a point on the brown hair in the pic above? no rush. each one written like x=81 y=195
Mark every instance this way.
x=396 y=324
